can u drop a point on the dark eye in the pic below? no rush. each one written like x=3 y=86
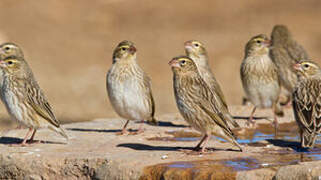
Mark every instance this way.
x=123 y=49
x=196 y=45
x=6 y=48
x=259 y=41
x=10 y=62
x=306 y=65
x=183 y=62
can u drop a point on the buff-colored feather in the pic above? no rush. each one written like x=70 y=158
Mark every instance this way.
x=307 y=101
x=196 y=102
x=129 y=87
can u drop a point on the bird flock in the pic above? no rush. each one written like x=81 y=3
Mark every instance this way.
x=275 y=71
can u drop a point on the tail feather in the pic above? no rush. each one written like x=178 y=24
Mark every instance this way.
x=60 y=131
x=152 y=121
x=308 y=139
x=231 y=121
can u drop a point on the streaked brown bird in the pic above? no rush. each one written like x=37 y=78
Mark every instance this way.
x=259 y=76
x=129 y=87
x=197 y=52
x=307 y=101
x=197 y=104
x=286 y=52
x=22 y=96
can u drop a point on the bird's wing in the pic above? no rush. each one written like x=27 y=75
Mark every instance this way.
x=39 y=103
x=307 y=108
x=207 y=103
x=147 y=85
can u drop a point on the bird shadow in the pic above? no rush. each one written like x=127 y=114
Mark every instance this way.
x=16 y=141
x=165 y=124
x=287 y=144
x=98 y=130
x=247 y=117
x=145 y=147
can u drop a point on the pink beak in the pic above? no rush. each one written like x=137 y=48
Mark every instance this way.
x=2 y=64
x=174 y=63
x=188 y=44
x=132 y=49
x=268 y=43
x=297 y=67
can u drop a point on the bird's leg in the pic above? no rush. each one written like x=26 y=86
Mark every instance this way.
x=204 y=144
x=124 y=130
x=250 y=121
x=24 y=142
x=276 y=124
x=198 y=146
x=30 y=141
x=140 y=129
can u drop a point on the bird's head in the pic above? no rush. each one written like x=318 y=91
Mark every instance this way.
x=194 y=48
x=258 y=45
x=183 y=65
x=124 y=50
x=10 y=50
x=307 y=68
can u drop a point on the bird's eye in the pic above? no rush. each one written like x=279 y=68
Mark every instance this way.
x=10 y=62
x=183 y=62
x=196 y=45
x=259 y=41
x=123 y=49
x=306 y=65
x=7 y=48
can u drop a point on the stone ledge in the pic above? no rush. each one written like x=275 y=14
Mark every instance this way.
x=95 y=151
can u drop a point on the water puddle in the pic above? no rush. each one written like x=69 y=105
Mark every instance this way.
x=263 y=136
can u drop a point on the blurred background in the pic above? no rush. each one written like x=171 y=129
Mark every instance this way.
x=69 y=44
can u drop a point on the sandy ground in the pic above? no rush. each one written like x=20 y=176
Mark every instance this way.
x=69 y=44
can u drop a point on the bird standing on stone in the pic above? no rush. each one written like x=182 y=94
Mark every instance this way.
x=307 y=101
x=22 y=96
x=197 y=103
x=260 y=77
x=197 y=52
x=286 y=52
x=129 y=87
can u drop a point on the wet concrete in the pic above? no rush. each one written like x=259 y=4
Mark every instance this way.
x=262 y=136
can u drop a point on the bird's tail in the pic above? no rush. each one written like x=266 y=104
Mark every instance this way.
x=308 y=139
x=152 y=121
x=231 y=121
x=278 y=110
x=59 y=130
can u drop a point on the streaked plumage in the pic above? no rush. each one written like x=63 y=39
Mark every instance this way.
x=196 y=102
x=286 y=52
x=259 y=76
x=129 y=87
x=197 y=52
x=23 y=98
x=307 y=101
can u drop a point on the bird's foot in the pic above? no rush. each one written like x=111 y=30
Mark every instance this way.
x=139 y=131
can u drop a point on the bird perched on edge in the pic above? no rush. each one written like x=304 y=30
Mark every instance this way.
x=197 y=104
x=260 y=77
x=307 y=101
x=197 y=52
x=286 y=52
x=129 y=87
x=22 y=96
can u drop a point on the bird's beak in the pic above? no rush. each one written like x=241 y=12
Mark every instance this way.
x=297 y=67
x=132 y=50
x=188 y=45
x=267 y=43
x=174 y=63
x=2 y=64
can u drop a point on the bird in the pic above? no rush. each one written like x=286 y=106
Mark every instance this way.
x=259 y=77
x=307 y=101
x=197 y=104
x=129 y=87
x=22 y=96
x=197 y=52
x=285 y=52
